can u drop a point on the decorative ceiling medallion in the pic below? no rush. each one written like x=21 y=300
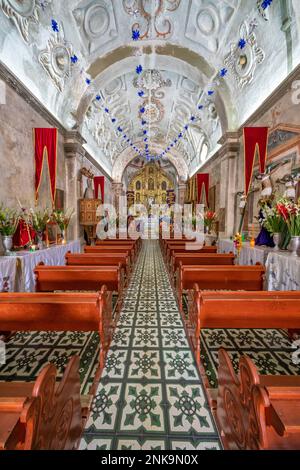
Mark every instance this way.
x=154 y=111
x=151 y=16
x=243 y=63
x=56 y=59
x=96 y=22
x=151 y=81
x=22 y=13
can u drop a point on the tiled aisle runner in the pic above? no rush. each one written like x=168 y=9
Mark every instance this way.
x=150 y=395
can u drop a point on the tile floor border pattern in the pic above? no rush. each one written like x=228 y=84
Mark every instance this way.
x=150 y=394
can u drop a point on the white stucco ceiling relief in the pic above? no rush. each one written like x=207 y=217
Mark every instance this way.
x=89 y=51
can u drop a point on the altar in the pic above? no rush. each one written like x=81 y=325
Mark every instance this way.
x=248 y=255
x=282 y=268
x=17 y=270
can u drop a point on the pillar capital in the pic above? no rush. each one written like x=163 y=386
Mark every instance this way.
x=74 y=144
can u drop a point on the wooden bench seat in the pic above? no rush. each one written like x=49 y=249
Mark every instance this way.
x=81 y=278
x=198 y=259
x=60 y=312
x=114 y=248
x=240 y=310
x=120 y=249
x=233 y=278
x=45 y=415
x=101 y=259
x=256 y=412
x=171 y=250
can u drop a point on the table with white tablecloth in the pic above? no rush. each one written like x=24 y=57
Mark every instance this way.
x=8 y=273
x=20 y=266
x=282 y=268
x=248 y=256
x=283 y=271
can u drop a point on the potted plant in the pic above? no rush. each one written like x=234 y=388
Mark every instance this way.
x=8 y=224
x=273 y=222
x=290 y=212
x=210 y=218
x=63 y=220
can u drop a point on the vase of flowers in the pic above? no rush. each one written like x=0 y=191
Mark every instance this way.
x=290 y=212
x=8 y=224
x=210 y=219
x=39 y=220
x=63 y=220
x=273 y=222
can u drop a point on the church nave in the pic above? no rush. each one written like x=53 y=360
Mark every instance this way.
x=150 y=395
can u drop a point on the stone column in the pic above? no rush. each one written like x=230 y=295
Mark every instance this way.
x=117 y=189
x=181 y=193
x=74 y=152
x=229 y=154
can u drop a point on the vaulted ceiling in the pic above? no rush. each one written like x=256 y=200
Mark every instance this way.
x=84 y=63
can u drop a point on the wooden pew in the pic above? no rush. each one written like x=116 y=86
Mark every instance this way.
x=120 y=249
x=171 y=249
x=60 y=312
x=101 y=259
x=114 y=248
x=256 y=412
x=248 y=278
x=44 y=415
x=84 y=278
x=198 y=259
x=118 y=241
x=260 y=309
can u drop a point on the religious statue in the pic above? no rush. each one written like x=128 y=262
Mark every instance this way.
x=89 y=192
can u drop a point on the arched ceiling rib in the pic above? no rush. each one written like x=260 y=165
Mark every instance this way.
x=185 y=41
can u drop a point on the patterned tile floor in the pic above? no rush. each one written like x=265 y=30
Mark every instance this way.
x=150 y=395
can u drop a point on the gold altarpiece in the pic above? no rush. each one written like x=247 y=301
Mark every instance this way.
x=150 y=186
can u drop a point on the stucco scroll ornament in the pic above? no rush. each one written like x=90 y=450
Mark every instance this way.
x=151 y=82
x=243 y=63
x=22 y=13
x=56 y=59
x=151 y=15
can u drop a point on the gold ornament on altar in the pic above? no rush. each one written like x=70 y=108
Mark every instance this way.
x=238 y=242
x=150 y=186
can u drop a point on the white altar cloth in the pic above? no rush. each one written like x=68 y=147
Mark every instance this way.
x=21 y=265
x=8 y=273
x=283 y=271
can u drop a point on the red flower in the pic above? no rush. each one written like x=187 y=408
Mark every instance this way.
x=283 y=211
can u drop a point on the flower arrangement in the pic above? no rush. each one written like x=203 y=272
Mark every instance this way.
x=9 y=220
x=290 y=213
x=272 y=219
x=38 y=219
x=62 y=218
x=210 y=217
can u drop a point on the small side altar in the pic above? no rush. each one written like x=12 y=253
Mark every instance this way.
x=17 y=270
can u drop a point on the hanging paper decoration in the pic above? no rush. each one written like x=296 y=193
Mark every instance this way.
x=45 y=143
x=203 y=179
x=99 y=182
x=255 y=138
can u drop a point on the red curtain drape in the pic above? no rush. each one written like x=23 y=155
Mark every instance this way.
x=45 y=143
x=99 y=184
x=254 y=138
x=203 y=179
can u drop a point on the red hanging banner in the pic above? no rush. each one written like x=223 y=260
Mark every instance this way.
x=45 y=142
x=255 y=138
x=99 y=187
x=203 y=179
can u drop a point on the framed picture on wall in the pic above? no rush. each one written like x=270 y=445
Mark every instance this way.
x=60 y=199
x=51 y=233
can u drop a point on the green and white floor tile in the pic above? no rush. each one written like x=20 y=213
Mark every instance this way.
x=150 y=395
